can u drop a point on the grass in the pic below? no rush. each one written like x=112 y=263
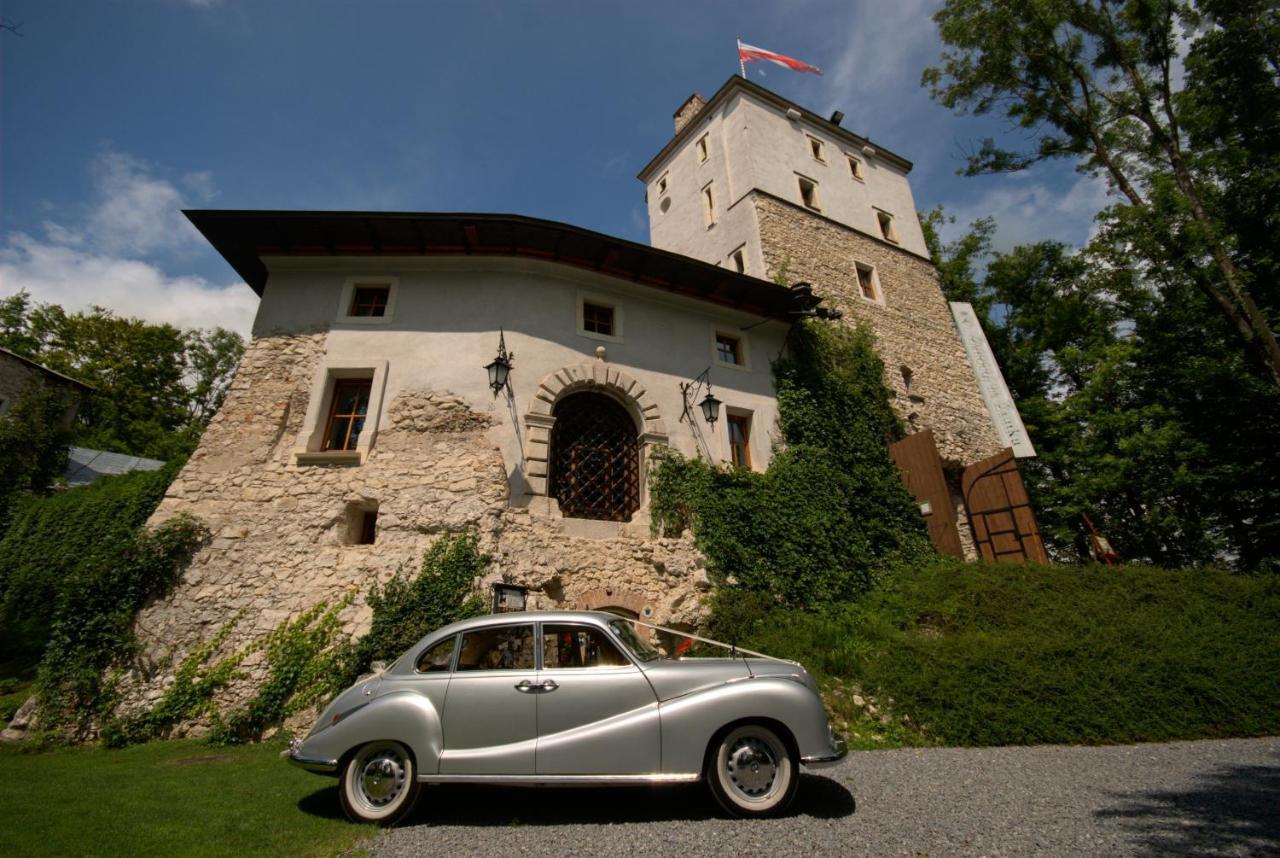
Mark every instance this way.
x=180 y=798
x=961 y=654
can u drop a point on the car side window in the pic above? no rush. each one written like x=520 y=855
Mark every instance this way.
x=578 y=646
x=501 y=648
x=436 y=658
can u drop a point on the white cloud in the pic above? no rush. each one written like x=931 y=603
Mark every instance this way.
x=78 y=279
x=1027 y=210
x=103 y=260
x=136 y=211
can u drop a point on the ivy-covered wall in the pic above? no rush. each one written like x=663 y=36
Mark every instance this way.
x=830 y=516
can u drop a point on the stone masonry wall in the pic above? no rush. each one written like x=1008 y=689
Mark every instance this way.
x=280 y=530
x=913 y=327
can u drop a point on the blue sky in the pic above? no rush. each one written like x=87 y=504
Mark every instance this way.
x=114 y=115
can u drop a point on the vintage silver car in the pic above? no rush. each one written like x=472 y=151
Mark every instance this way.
x=563 y=698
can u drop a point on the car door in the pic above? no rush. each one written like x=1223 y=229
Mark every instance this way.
x=597 y=713
x=490 y=709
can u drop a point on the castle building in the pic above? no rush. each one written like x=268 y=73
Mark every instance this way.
x=371 y=414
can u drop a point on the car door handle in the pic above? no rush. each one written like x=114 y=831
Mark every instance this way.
x=527 y=687
x=549 y=685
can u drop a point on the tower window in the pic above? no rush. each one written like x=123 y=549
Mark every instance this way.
x=728 y=349
x=597 y=319
x=662 y=184
x=739 y=261
x=361 y=523
x=855 y=167
x=809 y=193
x=886 y=226
x=867 y=284
x=702 y=148
x=708 y=206
x=347 y=413
x=815 y=149
x=739 y=440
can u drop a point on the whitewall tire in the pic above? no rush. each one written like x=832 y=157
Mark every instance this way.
x=752 y=771
x=379 y=783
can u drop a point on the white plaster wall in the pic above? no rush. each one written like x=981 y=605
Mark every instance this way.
x=445 y=329
x=755 y=146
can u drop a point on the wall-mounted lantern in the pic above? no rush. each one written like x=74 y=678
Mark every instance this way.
x=710 y=405
x=509 y=597
x=500 y=367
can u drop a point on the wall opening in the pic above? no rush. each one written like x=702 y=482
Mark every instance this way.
x=594 y=467
x=361 y=523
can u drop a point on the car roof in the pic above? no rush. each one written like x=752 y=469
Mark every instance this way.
x=528 y=617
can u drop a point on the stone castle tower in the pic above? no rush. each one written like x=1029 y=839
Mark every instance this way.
x=755 y=183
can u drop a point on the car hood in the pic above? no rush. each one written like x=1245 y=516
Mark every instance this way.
x=676 y=677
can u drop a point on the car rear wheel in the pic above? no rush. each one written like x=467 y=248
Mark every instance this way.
x=752 y=771
x=379 y=783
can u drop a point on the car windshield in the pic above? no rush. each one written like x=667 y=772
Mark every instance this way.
x=639 y=647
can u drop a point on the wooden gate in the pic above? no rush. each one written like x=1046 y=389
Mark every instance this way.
x=917 y=458
x=1004 y=526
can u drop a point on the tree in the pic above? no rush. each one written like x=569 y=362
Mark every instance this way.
x=1095 y=80
x=1140 y=406
x=34 y=436
x=156 y=386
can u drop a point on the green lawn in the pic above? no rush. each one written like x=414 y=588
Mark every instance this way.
x=168 y=799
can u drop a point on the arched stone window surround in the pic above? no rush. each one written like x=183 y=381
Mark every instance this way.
x=598 y=377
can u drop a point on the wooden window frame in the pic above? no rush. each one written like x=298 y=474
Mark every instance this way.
x=347 y=304
x=744 y=422
x=608 y=302
x=338 y=385
x=736 y=342
x=377 y=296
x=595 y=316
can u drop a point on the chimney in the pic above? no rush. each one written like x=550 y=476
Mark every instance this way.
x=688 y=110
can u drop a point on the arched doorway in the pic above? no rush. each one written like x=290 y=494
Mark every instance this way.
x=595 y=458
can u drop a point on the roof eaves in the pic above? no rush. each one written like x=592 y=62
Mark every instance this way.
x=53 y=372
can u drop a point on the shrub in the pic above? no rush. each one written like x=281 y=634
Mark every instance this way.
x=92 y=620
x=982 y=654
x=830 y=516
x=407 y=608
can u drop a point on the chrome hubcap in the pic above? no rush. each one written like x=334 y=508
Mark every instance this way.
x=752 y=767
x=382 y=777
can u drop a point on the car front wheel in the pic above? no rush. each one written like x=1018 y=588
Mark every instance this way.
x=752 y=772
x=379 y=784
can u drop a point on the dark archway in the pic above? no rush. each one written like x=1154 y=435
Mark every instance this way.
x=595 y=458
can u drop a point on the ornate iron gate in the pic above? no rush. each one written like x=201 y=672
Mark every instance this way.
x=1004 y=526
x=595 y=458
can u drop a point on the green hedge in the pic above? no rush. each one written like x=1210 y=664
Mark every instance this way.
x=1002 y=654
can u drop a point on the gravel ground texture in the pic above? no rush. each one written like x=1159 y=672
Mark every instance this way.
x=1182 y=798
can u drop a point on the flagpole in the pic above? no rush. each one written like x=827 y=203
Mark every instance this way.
x=742 y=66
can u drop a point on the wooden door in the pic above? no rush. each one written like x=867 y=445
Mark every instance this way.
x=1000 y=514
x=917 y=459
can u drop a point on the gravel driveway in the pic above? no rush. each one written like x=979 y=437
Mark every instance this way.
x=1184 y=798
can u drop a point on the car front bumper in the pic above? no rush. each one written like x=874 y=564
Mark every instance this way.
x=839 y=749
x=312 y=764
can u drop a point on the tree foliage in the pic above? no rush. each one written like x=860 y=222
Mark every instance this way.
x=156 y=386
x=1195 y=165
x=34 y=436
x=1144 y=413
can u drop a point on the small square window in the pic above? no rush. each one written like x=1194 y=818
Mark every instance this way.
x=815 y=149
x=362 y=523
x=809 y=193
x=739 y=261
x=886 y=226
x=855 y=168
x=708 y=206
x=347 y=413
x=702 y=148
x=597 y=319
x=728 y=349
x=867 y=282
x=739 y=426
x=369 y=300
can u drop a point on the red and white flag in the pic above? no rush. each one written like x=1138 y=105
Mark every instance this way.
x=748 y=53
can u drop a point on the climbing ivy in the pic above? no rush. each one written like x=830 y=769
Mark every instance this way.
x=830 y=516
